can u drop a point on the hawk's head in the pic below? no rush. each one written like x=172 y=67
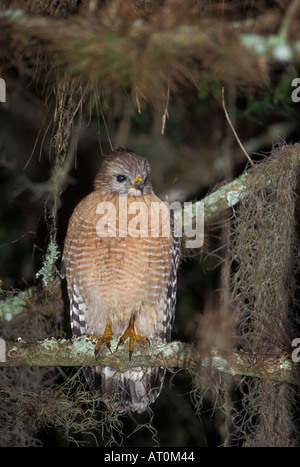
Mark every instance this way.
x=124 y=173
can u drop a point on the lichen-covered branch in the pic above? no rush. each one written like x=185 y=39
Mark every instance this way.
x=225 y=197
x=79 y=351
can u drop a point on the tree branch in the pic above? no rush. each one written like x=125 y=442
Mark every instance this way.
x=225 y=197
x=79 y=351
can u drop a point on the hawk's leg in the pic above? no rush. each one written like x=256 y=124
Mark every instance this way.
x=132 y=336
x=105 y=339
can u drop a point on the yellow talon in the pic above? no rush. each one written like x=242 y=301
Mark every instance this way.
x=132 y=336
x=105 y=339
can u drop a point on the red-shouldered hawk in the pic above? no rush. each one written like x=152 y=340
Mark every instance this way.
x=121 y=268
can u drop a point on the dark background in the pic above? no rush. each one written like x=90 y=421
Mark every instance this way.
x=196 y=153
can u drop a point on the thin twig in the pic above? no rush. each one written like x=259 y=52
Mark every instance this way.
x=137 y=101
x=165 y=114
x=234 y=132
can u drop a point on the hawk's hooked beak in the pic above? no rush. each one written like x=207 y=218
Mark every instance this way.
x=138 y=184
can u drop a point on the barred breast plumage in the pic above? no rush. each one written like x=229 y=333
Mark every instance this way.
x=121 y=260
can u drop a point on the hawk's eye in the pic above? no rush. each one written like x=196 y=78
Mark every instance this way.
x=121 y=178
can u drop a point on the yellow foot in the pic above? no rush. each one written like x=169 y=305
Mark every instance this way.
x=105 y=339
x=132 y=336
